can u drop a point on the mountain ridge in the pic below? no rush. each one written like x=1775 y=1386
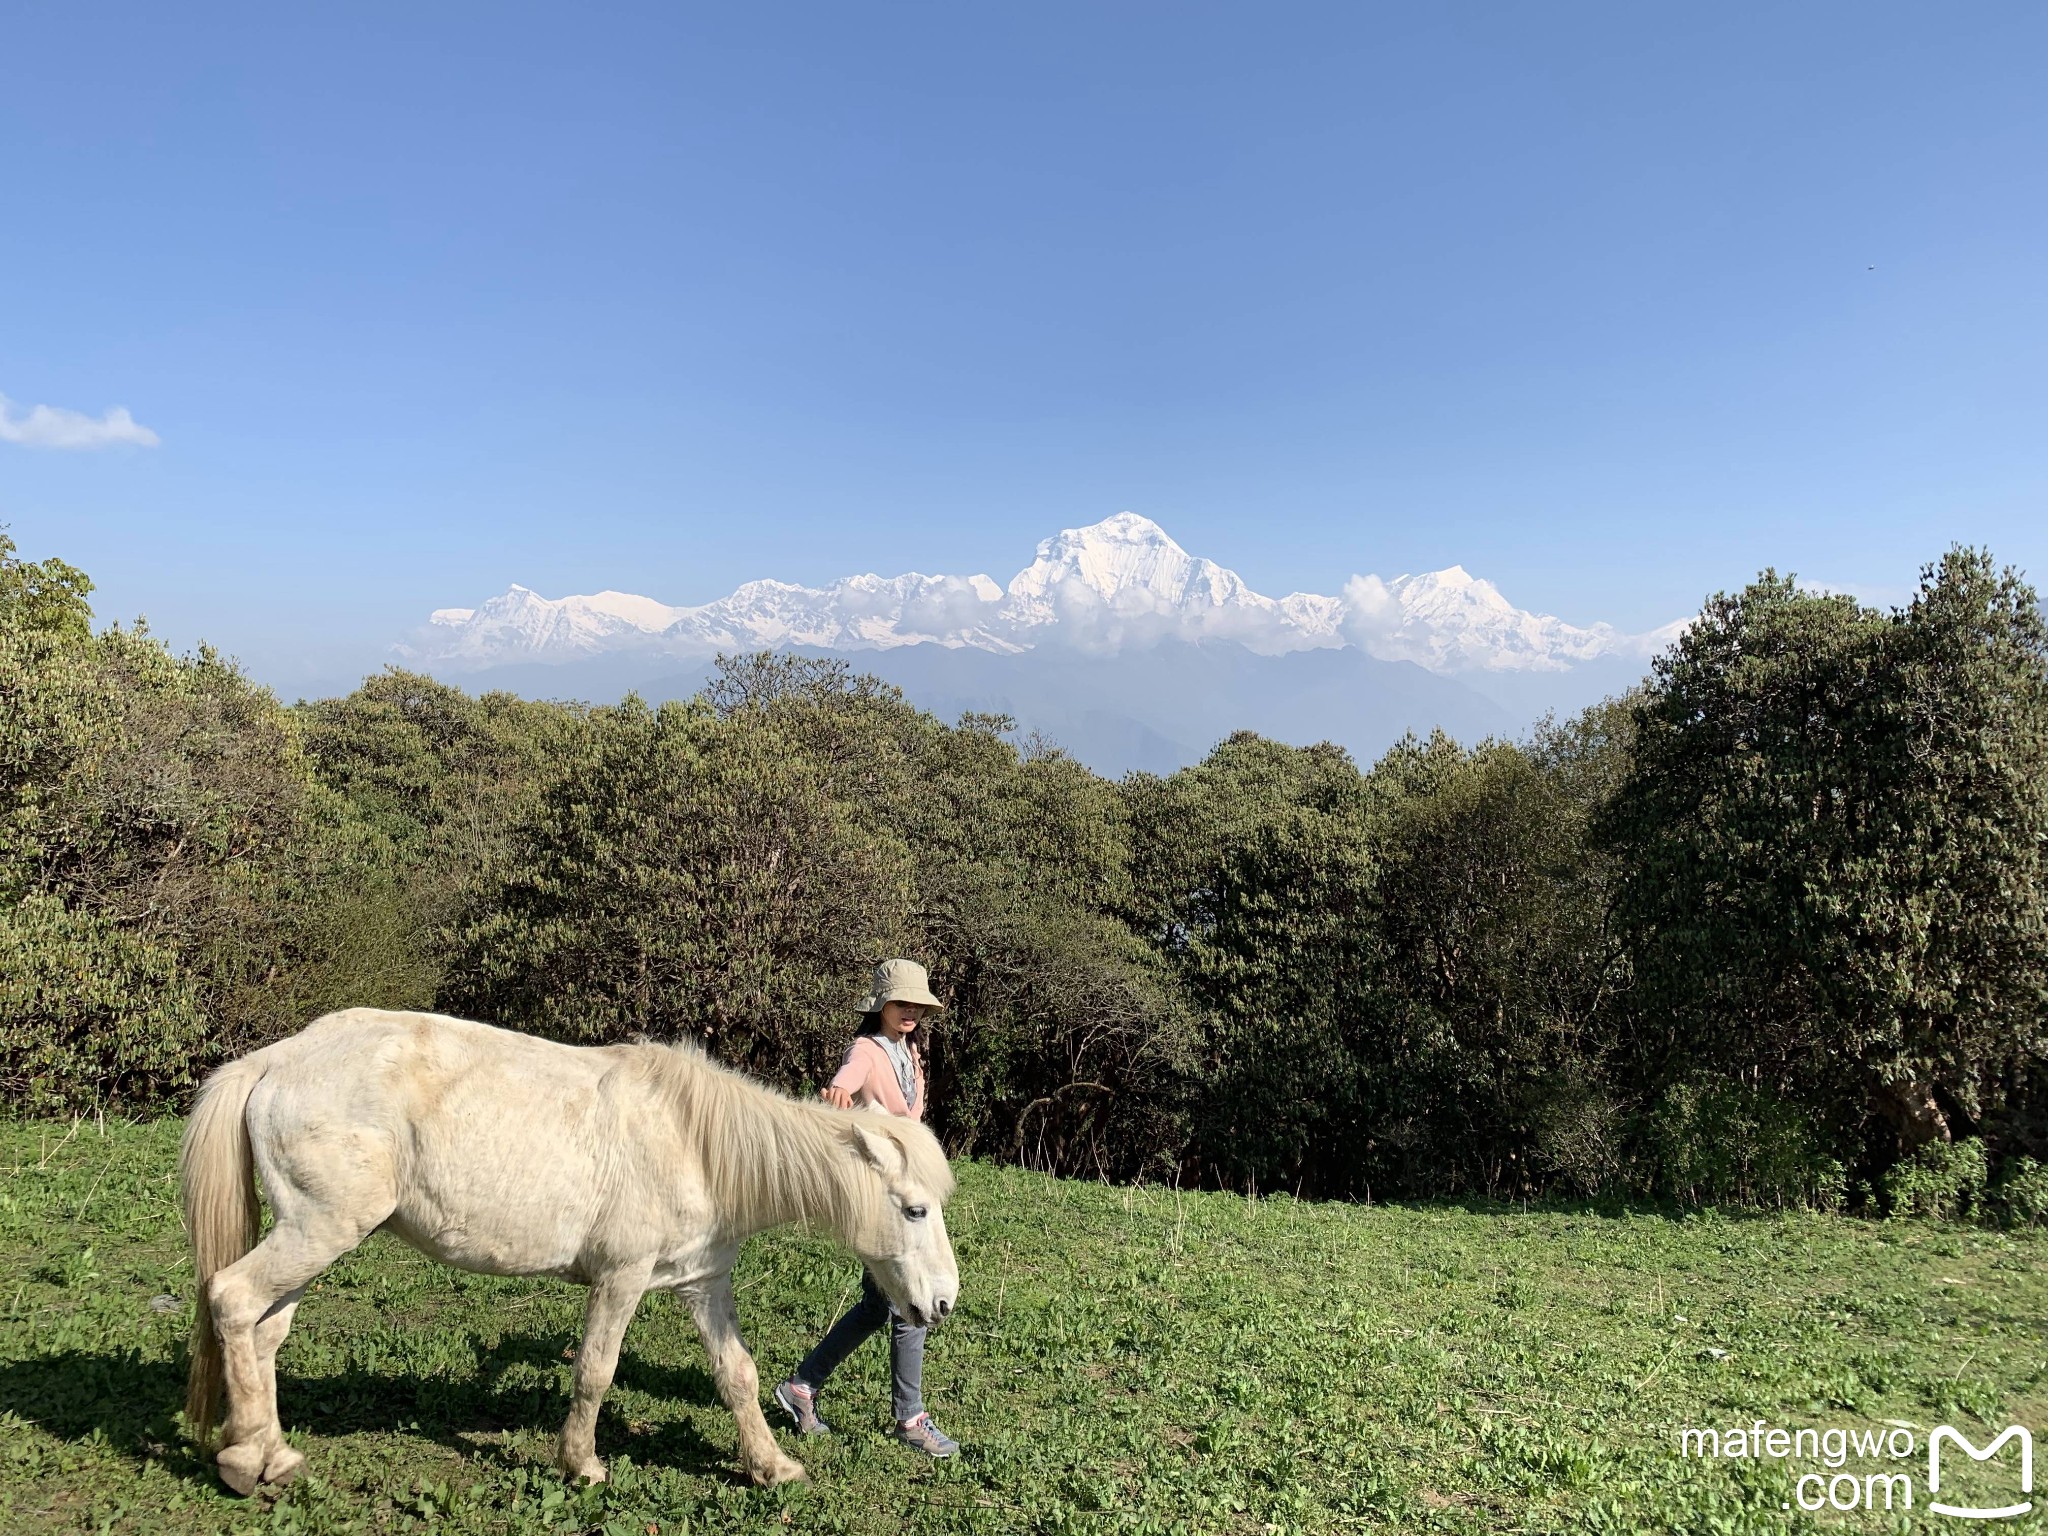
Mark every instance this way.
x=1120 y=584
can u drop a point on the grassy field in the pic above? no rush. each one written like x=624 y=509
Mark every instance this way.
x=1129 y=1360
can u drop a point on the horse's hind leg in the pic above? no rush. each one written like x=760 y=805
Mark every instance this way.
x=319 y=1218
x=284 y=1463
x=253 y=1301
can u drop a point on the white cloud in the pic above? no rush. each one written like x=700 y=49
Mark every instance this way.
x=947 y=605
x=1376 y=623
x=52 y=426
x=1370 y=608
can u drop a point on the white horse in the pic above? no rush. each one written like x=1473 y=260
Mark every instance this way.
x=621 y=1167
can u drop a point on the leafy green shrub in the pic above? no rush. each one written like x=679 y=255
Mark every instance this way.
x=1491 y=967
x=1711 y=1141
x=2021 y=1194
x=696 y=878
x=175 y=887
x=90 y=1016
x=1252 y=876
x=1947 y=1180
x=448 y=781
x=1068 y=1048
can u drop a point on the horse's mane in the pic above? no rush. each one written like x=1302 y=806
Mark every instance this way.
x=766 y=1157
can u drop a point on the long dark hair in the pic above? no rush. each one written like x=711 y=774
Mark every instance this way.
x=871 y=1024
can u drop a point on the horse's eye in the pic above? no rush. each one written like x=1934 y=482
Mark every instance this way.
x=915 y=1212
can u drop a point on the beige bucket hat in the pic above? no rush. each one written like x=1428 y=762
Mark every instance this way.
x=899 y=981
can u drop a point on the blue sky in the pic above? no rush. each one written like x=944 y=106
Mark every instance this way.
x=1611 y=304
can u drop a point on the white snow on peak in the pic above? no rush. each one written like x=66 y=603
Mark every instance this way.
x=1451 y=621
x=640 y=612
x=1117 y=583
x=1125 y=581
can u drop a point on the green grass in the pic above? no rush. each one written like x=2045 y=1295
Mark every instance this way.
x=1129 y=1360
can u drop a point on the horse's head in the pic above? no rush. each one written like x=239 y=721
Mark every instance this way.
x=902 y=1234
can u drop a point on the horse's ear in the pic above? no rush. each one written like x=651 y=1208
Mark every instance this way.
x=881 y=1152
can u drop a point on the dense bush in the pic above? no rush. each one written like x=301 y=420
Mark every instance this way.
x=175 y=884
x=1946 y=1179
x=90 y=1014
x=1709 y=1139
x=690 y=876
x=1401 y=973
x=2021 y=1194
x=1833 y=852
x=1252 y=874
x=446 y=779
x=1771 y=928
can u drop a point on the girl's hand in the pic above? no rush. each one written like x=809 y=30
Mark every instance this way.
x=836 y=1096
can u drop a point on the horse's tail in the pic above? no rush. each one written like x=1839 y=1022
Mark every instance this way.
x=218 y=1174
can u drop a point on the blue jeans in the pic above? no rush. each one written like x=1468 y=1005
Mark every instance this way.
x=866 y=1316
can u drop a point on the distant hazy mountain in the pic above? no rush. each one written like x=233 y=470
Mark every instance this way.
x=1114 y=641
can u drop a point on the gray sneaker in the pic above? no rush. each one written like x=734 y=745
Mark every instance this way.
x=926 y=1436
x=801 y=1404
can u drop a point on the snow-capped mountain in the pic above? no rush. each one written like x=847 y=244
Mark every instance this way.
x=1453 y=621
x=855 y=613
x=1118 y=584
x=1123 y=581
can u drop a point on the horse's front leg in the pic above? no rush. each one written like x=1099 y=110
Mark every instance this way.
x=711 y=1304
x=613 y=1296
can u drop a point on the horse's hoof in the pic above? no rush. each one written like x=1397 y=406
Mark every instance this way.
x=782 y=1471
x=587 y=1472
x=241 y=1466
x=284 y=1467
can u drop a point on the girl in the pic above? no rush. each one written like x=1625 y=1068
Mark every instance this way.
x=884 y=1069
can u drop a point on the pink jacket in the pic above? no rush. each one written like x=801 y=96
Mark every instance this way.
x=869 y=1075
